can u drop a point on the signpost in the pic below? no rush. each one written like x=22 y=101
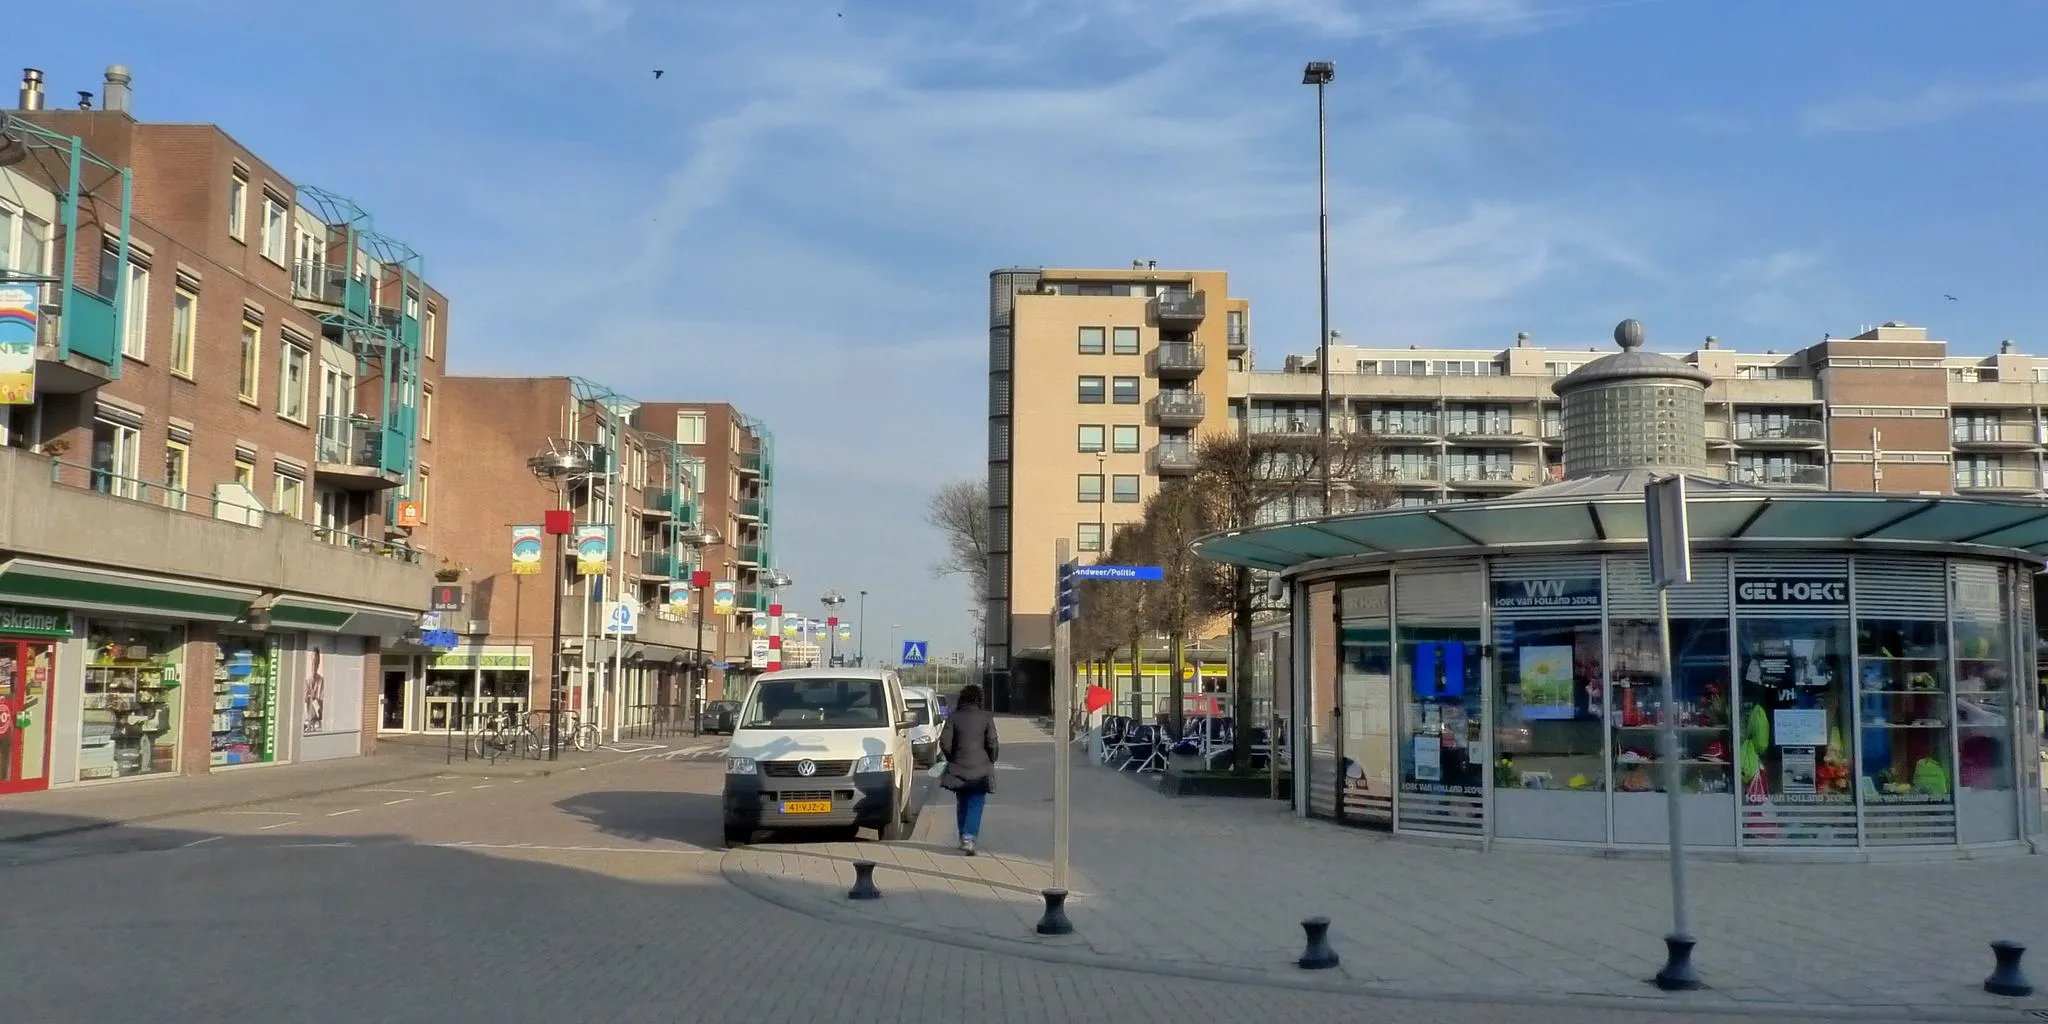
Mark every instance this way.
x=1671 y=566
x=1068 y=608
x=913 y=652
x=1117 y=572
x=622 y=618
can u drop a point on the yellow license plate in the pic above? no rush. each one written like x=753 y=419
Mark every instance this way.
x=807 y=807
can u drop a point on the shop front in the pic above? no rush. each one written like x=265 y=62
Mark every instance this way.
x=245 y=699
x=132 y=705
x=30 y=639
x=479 y=679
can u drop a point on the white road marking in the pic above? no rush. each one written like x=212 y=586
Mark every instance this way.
x=445 y=792
x=484 y=786
x=572 y=849
x=280 y=824
x=311 y=846
x=337 y=814
x=400 y=800
x=381 y=789
x=271 y=814
x=199 y=842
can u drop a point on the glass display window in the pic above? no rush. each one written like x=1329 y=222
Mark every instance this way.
x=1548 y=770
x=1902 y=688
x=1702 y=695
x=244 y=701
x=1439 y=669
x=129 y=724
x=1365 y=683
x=1986 y=702
x=1793 y=758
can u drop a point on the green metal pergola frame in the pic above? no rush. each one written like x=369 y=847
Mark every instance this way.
x=41 y=143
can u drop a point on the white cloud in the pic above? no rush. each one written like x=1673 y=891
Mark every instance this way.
x=1932 y=105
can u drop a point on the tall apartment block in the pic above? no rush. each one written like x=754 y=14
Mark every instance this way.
x=678 y=487
x=216 y=394
x=1100 y=382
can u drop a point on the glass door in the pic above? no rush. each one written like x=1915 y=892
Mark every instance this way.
x=1365 y=681
x=27 y=673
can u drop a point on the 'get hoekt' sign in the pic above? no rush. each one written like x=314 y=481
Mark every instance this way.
x=1779 y=591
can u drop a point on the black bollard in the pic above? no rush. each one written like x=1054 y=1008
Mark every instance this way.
x=864 y=882
x=1678 y=974
x=1055 y=920
x=2007 y=979
x=1318 y=954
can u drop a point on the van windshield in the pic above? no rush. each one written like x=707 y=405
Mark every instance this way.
x=820 y=703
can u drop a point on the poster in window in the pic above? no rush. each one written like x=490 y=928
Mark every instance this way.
x=1546 y=682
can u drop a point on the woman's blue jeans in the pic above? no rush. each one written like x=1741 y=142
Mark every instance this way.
x=967 y=813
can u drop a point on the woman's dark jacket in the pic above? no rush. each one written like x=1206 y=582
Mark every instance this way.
x=969 y=747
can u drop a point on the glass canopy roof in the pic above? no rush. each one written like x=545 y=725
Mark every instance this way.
x=1572 y=513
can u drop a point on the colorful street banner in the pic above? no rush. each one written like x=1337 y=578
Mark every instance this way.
x=845 y=633
x=593 y=550
x=724 y=594
x=679 y=597
x=760 y=625
x=18 y=322
x=792 y=628
x=526 y=549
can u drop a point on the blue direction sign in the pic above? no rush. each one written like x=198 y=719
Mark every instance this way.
x=1120 y=572
x=913 y=652
x=1067 y=604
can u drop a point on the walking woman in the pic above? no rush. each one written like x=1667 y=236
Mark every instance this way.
x=969 y=747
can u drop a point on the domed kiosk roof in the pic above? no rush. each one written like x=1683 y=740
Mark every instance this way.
x=1633 y=362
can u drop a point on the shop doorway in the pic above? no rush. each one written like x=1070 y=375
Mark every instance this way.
x=27 y=673
x=393 y=704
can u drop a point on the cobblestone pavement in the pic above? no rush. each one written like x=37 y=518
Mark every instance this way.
x=592 y=894
x=1217 y=887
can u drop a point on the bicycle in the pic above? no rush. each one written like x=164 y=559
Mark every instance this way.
x=575 y=731
x=503 y=735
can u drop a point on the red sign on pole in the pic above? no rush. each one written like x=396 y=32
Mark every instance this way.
x=559 y=521
x=832 y=621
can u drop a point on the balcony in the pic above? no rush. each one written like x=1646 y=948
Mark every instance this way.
x=1997 y=480
x=1490 y=429
x=1178 y=409
x=747 y=508
x=657 y=501
x=78 y=524
x=750 y=462
x=1978 y=435
x=1781 y=434
x=1418 y=427
x=1493 y=476
x=316 y=284
x=686 y=515
x=1236 y=338
x=1179 y=308
x=1177 y=359
x=1172 y=459
x=747 y=554
x=348 y=454
x=1410 y=474
x=1802 y=476
x=658 y=564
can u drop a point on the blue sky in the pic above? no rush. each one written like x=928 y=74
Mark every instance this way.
x=800 y=215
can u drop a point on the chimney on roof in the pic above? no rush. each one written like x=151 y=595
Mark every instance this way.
x=1137 y=264
x=1151 y=264
x=1522 y=339
x=84 y=99
x=31 y=89
x=2005 y=347
x=116 y=95
x=1713 y=342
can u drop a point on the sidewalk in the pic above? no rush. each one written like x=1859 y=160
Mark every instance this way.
x=1216 y=888
x=30 y=816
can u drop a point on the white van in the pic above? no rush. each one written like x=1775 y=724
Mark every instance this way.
x=925 y=723
x=820 y=748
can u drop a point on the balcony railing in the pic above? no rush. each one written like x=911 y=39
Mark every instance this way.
x=750 y=462
x=747 y=508
x=1177 y=358
x=1782 y=475
x=1498 y=427
x=1410 y=473
x=349 y=441
x=1179 y=307
x=1795 y=431
x=1421 y=425
x=1993 y=478
x=658 y=563
x=1176 y=408
x=1236 y=337
x=1966 y=432
x=658 y=499
x=1173 y=459
x=1491 y=473
x=748 y=554
x=317 y=282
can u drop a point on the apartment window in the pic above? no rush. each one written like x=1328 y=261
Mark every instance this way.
x=238 y=205
x=245 y=474
x=288 y=497
x=430 y=329
x=24 y=242
x=426 y=494
x=1091 y=438
x=426 y=414
x=273 y=230
x=1125 y=390
x=252 y=362
x=1088 y=536
x=689 y=428
x=116 y=459
x=1124 y=489
x=1124 y=438
x=412 y=306
x=1126 y=341
x=292 y=381
x=135 y=314
x=184 y=328
x=1092 y=390
x=177 y=460
x=1088 y=488
x=1091 y=341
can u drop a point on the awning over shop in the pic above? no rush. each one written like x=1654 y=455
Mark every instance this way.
x=106 y=592
x=1610 y=508
x=293 y=612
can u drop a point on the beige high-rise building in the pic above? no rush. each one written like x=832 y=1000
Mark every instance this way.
x=1099 y=383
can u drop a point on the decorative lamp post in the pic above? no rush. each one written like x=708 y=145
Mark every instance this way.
x=556 y=466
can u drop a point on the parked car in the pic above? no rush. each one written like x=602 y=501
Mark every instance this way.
x=820 y=748
x=925 y=723
x=720 y=716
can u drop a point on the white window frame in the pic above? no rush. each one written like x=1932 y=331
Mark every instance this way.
x=276 y=219
x=248 y=479
x=135 y=322
x=175 y=490
x=309 y=264
x=238 y=206
x=287 y=493
x=426 y=505
x=288 y=395
x=430 y=327
x=691 y=426
x=250 y=388
x=126 y=461
x=185 y=334
x=426 y=413
x=337 y=404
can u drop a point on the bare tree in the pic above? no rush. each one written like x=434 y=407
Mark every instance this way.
x=1252 y=477
x=959 y=511
x=1192 y=588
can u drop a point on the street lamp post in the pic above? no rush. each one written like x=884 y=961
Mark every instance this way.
x=832 y=600
x=860 y=652
x=1319 y=73
x=554 y=466
x=700 y=582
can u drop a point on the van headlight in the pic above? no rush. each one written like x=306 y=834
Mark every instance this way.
x=741 y=766
x=875 y=763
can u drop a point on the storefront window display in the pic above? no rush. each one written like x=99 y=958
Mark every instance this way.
x=27 y=671
x=1365 y=694
x=1439 y=665
x=1793 y=648
x=1700 y=687
x=1985 y=698
x=1902 y=690
x=1547 y=773
x=129 y=725
x=1319 y=722
x=244 y=701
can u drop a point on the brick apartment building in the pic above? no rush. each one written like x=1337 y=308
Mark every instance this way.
x=681 y=485
x=217 y=434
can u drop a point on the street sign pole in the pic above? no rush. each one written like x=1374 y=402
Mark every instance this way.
x=1670 y=545
x=1062 y=710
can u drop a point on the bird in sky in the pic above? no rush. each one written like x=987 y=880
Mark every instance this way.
x=1951 y=298
x=657 y=73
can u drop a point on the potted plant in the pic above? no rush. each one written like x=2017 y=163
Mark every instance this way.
x=448 y=572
